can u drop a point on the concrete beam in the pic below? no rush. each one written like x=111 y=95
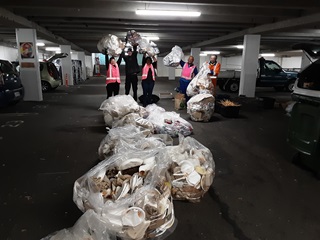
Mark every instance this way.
x=281 y=25
x=216 y=3
x=25 y=23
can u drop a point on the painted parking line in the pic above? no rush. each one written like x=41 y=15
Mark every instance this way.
x=40 y=106
x=13 y=124
x=18 y=114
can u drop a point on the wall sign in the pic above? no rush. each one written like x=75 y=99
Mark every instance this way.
x=26 y=49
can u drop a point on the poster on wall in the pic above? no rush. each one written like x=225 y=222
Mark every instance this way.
x=26 y=50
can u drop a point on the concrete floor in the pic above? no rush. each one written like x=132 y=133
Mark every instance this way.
x=257 y=193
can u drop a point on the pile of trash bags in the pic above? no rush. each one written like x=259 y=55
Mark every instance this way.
x=122 y=110
x=202 y=102
x=130 y=193
x=174 y=57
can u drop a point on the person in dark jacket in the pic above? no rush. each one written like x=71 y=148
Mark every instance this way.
x=132 y=70
x=148 y=79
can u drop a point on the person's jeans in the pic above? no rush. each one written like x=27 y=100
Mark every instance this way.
x=183 y=87
x=147 y=87
x=132 y=79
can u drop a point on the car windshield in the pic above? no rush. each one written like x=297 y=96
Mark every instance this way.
x=310 y=77
x=6 y=67
x=272 y=66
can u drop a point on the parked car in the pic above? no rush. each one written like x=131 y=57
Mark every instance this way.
x=11 y=89
x=269 y=74
x=50 y=76
x=307 y=86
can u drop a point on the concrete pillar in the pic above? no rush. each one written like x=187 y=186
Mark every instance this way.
x=172 y=73
x=89 y=66
x=82 y=58
x=305 y=61
x=66 y=65
x=29 y=63
x=250 y=55
x=195 y=52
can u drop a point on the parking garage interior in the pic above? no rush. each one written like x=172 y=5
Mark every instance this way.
x=49 y=136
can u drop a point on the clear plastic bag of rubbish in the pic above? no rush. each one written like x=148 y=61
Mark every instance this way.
x=133 y=37
x=136 y=119
x=101 y=46
x=119 y=106
x=144 y=44
x=133 y=119
x=174 y=57
x=201 y=83
x=155 y=48
x=88 y=227
x=131 y=192
x=192 y=169
x=151 y=50
x=201 y=107
x=168 y=122
x=113 y=45
x=126 y=137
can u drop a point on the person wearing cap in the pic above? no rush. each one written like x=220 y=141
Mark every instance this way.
x=148 y=80
x=113 y=76
x=132 y=70
x=214 y=67
x=189 y=71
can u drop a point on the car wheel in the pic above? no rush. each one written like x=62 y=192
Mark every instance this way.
x=290 y=86
x=45 y=86
x=233 y=86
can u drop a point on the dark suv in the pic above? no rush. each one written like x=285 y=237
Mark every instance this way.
x=11 y=89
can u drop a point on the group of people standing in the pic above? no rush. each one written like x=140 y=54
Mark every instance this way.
x=132 y=70
x=148 y=76
x=189 y=71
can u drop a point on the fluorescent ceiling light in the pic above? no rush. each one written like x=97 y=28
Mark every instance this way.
x=52 y=49
x=267 y=54
x=240 y=46
x=168 y=13
x=152 y=38
x=203 y=54
x=40 y=44
x=210 y=52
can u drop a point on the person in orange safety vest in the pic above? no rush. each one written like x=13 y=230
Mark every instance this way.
x=214 y=67
x=113 y=78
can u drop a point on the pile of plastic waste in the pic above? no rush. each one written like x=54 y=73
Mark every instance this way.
x=130 y=193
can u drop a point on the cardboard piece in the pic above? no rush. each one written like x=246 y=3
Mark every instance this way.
x=179 y=101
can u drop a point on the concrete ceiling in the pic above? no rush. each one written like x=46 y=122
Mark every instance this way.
x=221 y=25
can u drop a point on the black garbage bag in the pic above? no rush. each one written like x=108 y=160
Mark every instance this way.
x=154 y=98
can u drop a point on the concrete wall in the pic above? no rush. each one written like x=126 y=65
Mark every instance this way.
x=74 y=56
x=8 y=53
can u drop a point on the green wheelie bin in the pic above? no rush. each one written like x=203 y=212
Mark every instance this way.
x=304 y=134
